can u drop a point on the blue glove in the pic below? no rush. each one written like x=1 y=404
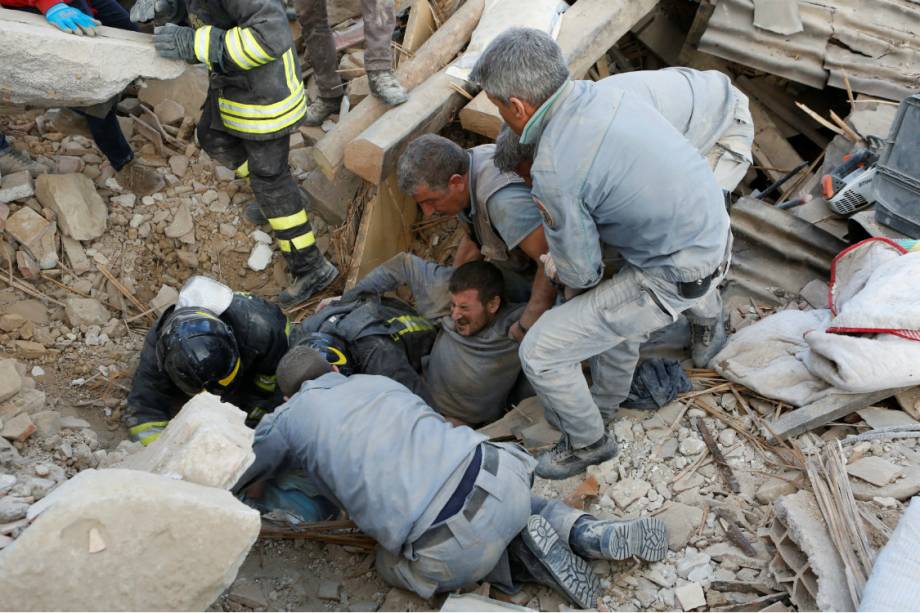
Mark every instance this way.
x=175 y=42
x=68 y=19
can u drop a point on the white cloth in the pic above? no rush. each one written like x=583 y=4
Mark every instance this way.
x=867 y=342
x=893 y=584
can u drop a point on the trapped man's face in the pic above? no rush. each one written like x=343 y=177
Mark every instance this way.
x=469 y=313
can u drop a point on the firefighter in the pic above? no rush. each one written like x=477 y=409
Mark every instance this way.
x=216 y=340
x=255 y=101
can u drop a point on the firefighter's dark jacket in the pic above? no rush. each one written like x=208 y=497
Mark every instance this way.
x=255 y=80
x=261 y=332
x=358 y=316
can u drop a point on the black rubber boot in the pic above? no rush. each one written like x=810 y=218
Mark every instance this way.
x=309 y=281
x=252 y=214
x=605 y=539
x=320 y=109
x=541 y=556
x=562 y=461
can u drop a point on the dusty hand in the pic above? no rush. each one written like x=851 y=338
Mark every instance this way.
x=326 y=302
x=549 y=266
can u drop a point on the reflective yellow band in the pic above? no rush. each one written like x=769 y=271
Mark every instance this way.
x=234 y=44
x=290 y=221
x=146 y=426
x=254 y=49
x=412 y=323
x=267 y=126
x=301 y=242
x=266 y=382
x=243 y=171
x=260 y=111
x=203 y=45
x=287 y=328
x=229 y=378
x=340 y=357
x=268 y=118
x=149 y=438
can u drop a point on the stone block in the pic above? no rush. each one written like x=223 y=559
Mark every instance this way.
x=48 y=423
x=36 y=234
x=10 y=381
x=79 y=263
x=878 y=418
x=165 y=298
x=181 y=224
x=16 y=186
x=690 y=596
x=81 y=212
x=28 y=400
x=85 y=312
x=45 y=67
x=773 y=488
x=127 y=540
x=682 y=521
x=18 y=428
x=169 y=112
x=190 y=90
x=627 y=491
x=876 y=471
x=206 y=443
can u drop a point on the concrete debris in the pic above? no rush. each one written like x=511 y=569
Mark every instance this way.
x=806 y=563
x=876 y=471
x=19 y=428
x=206 y=443
x=80 y=211
x=627 y=491
x=694 y=566
x=68 y=73
x=169 y=112
x=878 y=418
x=690 y=596
x=774 y=488
x=200 y=534
x=691 y=446
x=815 y=293
x=37 y=235
x=248 y=594
x=6 y=482
x=10 y=381
x=906 y=486
x=165 y=298
x=79 y=263
x=181 y=224
x=12 y=509
x=682 y=521
x=329 y=590
x=188 y=90
x=85 y=312
x=47 y=423
x=16 y=186
x=260 y=257
x=457 y=603
x=910 y=401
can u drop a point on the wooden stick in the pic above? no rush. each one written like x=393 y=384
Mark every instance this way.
x=461 y=91
x=820 y=119
x=121 y=288
x=846 y=83
x=724 y=469
x=852 y=134
x=25 y=287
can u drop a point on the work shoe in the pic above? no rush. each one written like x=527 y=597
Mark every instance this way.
x=562 y=461
x=140 y=180
x=385 y=86
x=252 y=213
x=13 y=160
x=605 y=539
x=549 y=561
x=320 y=109
x=307 y=284
x=707 y=337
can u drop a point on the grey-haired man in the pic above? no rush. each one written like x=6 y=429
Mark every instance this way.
x=609 y=169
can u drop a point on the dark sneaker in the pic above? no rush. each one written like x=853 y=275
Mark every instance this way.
x=140 y=180
x=562 y=462
x=561 y=569
x=13 y=160
x=320 y=109
x=385 y=86
x=605 y=539
x=308 y=284
x=707 y=337
x=253 y=214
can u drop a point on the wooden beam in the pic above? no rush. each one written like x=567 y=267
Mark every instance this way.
x=419 y=27
x=374 y=153
x=437 y=51
x=385 y=230
x=589 y=28
x=824 y=411
x=771 y=151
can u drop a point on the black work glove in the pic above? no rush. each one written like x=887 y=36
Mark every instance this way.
x=175 y=42
x=144 y=11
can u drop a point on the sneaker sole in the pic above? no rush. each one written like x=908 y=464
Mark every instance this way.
x=571 y=573
x=645 y=538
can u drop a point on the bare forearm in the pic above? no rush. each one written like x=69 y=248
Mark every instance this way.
x=542 y=297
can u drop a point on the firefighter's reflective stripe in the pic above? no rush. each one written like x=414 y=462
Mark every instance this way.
x=298 y=242
x=267 y=118
x=244 y=49
x=411 y=323
x=229 y=378
x=203 y=45
x=147 y=432
x=243 y=171
x=289 y=221
x=266 y=383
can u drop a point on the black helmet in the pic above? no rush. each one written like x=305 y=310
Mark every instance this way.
x=198 y=351
x=331 y=347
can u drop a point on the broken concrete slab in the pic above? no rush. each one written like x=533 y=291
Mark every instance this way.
x=627 y=491
x=690 y=596
x=206 y=443
x=45 y=67
x=876 y=471
x=189 y=90
x=169 y=112
x=85 y=312
x=81 y=212
x=16 y=186
x=144 y=523
x=681 y=520
x=10 y=381
x=901 y=489
x=909 y=400
x=165 y=298
x=877 y=417
x=456 y=603
x=18 y=428
x=774 y=488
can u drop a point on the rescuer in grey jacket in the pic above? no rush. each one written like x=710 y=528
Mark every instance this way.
x=443 y=504
x=609 y=170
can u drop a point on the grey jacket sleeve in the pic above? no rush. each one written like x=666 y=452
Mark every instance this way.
x=427 y=280
x=571 y=231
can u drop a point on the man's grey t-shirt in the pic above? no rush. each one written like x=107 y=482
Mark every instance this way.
x=470 y=377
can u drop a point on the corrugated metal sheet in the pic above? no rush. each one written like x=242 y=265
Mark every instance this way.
x=876 y=42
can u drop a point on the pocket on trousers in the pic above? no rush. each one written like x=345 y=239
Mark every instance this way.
x=639 y=317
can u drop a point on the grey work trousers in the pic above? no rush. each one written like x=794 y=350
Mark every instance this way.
x=605 y=325
x=379 y=23
x=477 y=547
